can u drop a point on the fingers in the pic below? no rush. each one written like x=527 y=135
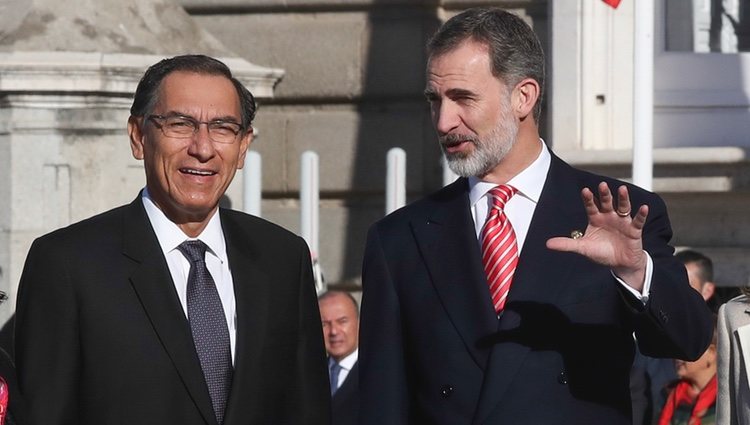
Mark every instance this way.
x=605 y=198
x=605 y=204
x=640 y=217
x=562 y=244
x=589 y=203
x=623 y=201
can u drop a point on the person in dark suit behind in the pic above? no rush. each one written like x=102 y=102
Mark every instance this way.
x=503 y=298
x=339 y=315
x=171 y=310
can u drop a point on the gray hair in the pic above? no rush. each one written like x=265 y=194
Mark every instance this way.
x=515 y=50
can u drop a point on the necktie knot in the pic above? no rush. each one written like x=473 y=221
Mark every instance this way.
x=500 y=195
x=193 y=250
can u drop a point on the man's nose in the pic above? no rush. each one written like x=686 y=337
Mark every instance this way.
x=201 y=145
x=446 y=117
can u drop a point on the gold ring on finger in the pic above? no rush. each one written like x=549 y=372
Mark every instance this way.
x=623 y=214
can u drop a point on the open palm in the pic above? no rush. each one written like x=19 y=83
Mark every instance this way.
x=612 y=237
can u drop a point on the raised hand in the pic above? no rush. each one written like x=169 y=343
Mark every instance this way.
x=612 y=237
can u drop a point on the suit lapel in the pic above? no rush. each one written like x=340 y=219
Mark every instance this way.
x=539 y=277
x=349 y=386
x=251 y=285
x=153 y=283
x=450 y=251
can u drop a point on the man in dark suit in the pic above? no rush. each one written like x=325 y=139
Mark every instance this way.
x=171 y=310
x=339 y=315
x=502 y=298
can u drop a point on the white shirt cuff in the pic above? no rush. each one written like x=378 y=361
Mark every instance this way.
x=643 y=296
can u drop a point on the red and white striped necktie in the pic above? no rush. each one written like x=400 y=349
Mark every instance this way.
x=499 y=247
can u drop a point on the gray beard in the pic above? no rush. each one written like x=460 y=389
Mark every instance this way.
x=486 y=154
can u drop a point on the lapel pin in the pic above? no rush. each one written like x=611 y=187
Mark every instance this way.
x=576 y=234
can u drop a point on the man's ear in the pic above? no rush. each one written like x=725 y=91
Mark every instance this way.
x=525 y=96
x=245 y=143
x=136 y=137
x=707 y=290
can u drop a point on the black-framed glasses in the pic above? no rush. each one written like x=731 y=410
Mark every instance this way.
x=184 y=127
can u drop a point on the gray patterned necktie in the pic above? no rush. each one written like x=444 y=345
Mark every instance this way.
x=334 y=369
x=209 y=327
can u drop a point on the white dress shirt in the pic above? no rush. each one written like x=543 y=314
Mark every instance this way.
x=520 y=208
x=170 y=237
x=347 y=363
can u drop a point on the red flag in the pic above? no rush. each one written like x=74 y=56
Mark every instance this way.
x=613 y=3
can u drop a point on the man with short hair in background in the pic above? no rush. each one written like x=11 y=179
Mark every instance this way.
x=339 y=315
x=700 y=271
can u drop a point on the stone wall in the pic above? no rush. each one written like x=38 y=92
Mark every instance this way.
x=353 y=89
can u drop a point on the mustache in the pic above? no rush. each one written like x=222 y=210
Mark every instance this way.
x=453 y=139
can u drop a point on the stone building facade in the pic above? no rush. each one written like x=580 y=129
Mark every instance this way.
x=352 y=84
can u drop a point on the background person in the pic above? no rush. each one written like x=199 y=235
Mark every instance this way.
x=339 y=314
x=12 y=405
x=700 y=270
x=650 y=376
x=692 y=399
x=733 y=403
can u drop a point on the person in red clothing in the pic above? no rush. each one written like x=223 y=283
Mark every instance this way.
x=692 y=399
x=11 y=403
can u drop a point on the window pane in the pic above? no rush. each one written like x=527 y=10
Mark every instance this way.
x=701 y=26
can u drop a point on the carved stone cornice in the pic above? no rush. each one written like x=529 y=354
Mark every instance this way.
x=112 y=75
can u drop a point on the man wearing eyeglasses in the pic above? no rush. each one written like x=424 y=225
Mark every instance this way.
x=171 y=310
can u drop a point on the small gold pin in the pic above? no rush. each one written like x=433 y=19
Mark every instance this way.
x=576 y=234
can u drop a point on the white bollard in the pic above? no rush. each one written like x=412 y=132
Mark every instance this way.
x=309 y=200
x=395 y=181
x=252 y=183
x=643 y=94
x=309 y=193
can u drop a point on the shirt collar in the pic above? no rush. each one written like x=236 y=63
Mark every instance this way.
x=170 y=235
x=348 y=361
x=529 y=182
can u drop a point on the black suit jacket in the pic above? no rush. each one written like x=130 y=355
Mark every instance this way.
x=432 y=350
x=102 y=338
x=345 y=403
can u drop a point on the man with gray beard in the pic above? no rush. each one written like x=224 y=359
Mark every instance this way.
x=512 y=295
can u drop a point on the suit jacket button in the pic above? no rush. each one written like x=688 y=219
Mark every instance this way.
x=562 y=378
x=446 y=391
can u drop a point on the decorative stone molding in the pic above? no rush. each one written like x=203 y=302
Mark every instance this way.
x=112 y=75
x=689 y=169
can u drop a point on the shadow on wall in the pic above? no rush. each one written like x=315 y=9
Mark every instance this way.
x=393 y=113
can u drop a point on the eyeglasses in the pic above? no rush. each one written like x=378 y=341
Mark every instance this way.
x=184 y=127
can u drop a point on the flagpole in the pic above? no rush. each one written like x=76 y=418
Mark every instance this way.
x=643 y=94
